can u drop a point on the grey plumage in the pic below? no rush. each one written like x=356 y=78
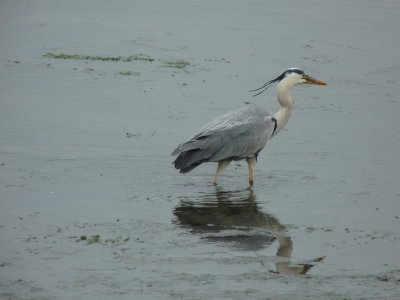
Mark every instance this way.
x=243 y=133
x=232 y=136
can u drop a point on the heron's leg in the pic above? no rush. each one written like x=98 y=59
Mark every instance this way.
x=251 y=161
x=221 y=167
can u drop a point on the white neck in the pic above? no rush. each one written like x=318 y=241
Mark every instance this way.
x=286 y=102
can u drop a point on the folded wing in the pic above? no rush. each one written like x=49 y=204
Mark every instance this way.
x=232 y=136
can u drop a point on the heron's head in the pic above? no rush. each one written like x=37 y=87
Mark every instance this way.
x=291 y=77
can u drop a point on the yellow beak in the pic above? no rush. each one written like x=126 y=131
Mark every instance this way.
x=310 y=80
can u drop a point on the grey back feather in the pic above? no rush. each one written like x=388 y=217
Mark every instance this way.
x=235 y=135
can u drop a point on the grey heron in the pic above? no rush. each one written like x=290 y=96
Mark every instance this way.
x=243 y=133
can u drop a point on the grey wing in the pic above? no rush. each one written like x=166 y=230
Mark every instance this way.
x=235 y=135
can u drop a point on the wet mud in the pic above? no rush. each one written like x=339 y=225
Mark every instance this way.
x=94 y=96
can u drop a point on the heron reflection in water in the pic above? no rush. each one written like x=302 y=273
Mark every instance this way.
x=235 y=219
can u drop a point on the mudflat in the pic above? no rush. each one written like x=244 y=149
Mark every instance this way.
x=95 y=95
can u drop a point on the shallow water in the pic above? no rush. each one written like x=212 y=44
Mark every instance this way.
x=91 y=206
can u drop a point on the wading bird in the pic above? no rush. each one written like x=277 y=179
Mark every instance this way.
x=243 y=133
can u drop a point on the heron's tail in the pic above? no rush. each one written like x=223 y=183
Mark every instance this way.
x=188 y=160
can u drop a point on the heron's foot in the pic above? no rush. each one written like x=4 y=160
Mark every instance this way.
x=251 y=182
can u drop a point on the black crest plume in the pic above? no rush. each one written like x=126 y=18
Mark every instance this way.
x=277 y=79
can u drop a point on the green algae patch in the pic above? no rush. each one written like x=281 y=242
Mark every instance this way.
x=132 y=58
x=89 y=239
x=177 y=64
x=129 y=73
x=217 y=59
